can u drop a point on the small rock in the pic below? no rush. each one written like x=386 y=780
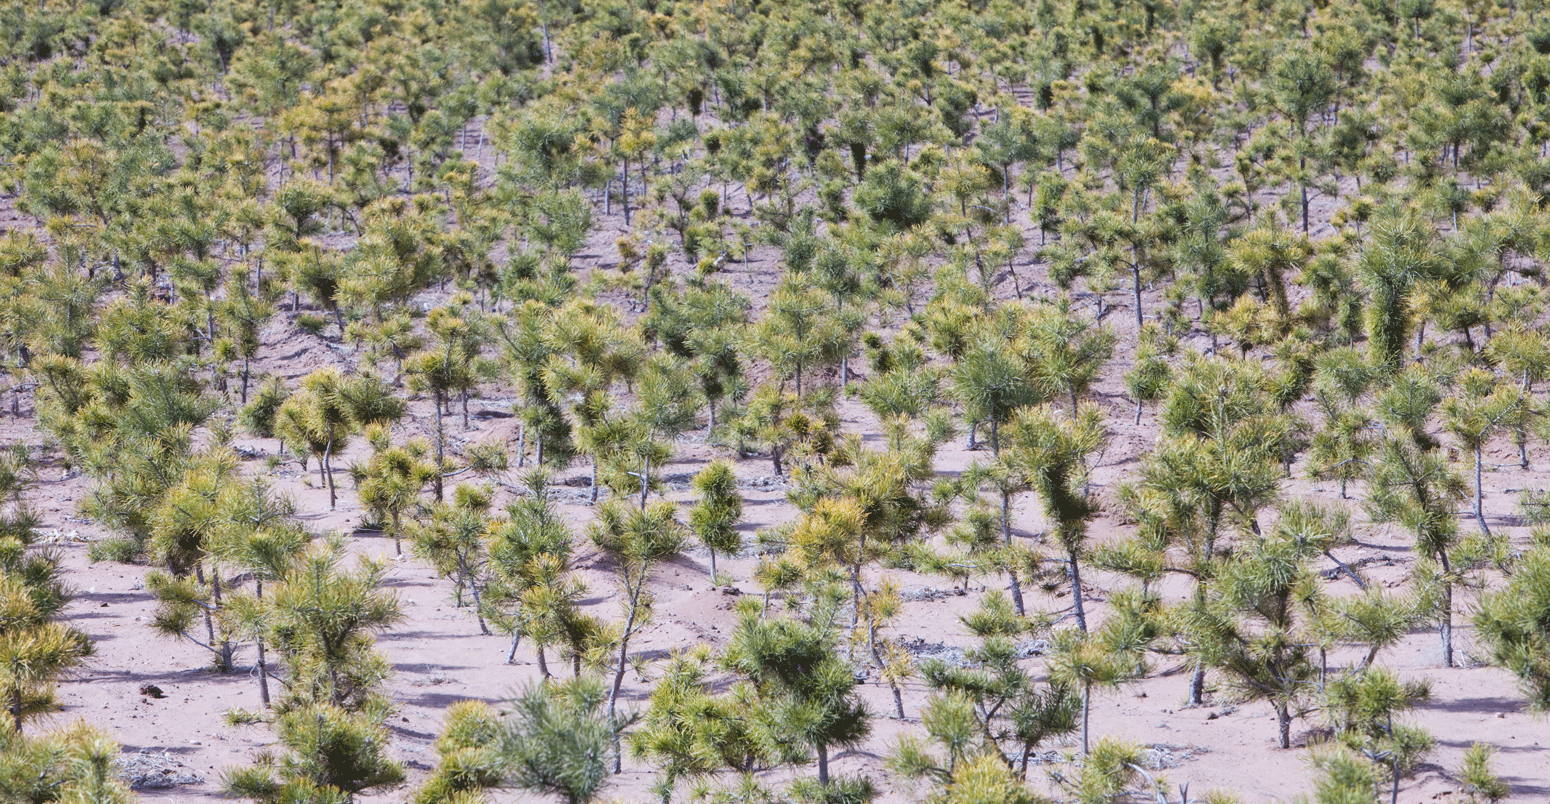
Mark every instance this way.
x=1033 y=647
x=152 y=690
x=154 y=771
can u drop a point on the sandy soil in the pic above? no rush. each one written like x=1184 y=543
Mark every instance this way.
x=440 y=657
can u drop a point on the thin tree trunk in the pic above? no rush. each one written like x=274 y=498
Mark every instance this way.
x=1197 y=681
x=1135 y=273
x=624 y=190
x=328 y=474
x=440 y=444
x=263 y=662
x=199 y=575
x=1087 y=705
x=1006 y=535
x=474 y=588
x=263 y=675
x=1304 y=221
x=1446 y=629
x=224 y=654
x=624 y=650
x=855 y=605
x=1479 y=494
x=1076 y=592
x=1284 y=723
x=645 y=483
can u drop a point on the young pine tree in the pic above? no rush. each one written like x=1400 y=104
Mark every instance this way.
x=1482 y=407
x=1055 y=452
x=992 y=702
x=389 y=485
x=637 y=540
x=1362 y=706
x=74 y=764
x=329 y=408
x=691 y=733
x=557 y=740
x=1104 y=659
x=1416 y=487
x=1256 y=626
x=1514 y=624
x=470 y=756
x=532 y=591
x=36 y=647
x=714 y=517
x=331 y=719
x=805 y=691
x=454 y=541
